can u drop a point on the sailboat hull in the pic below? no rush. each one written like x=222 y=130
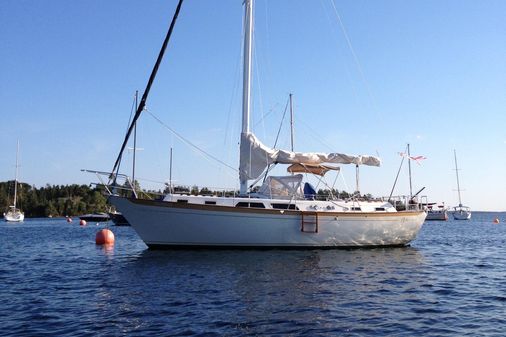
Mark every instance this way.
x=462 y=215
x=170 y=224
x=437 y=215
x=14 y=217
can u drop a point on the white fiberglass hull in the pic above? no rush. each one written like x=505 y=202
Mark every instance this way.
x=14 y=217
x=443 y=216
x=170 y=224
x=462 y=215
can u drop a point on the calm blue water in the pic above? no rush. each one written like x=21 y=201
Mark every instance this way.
x=55 y=281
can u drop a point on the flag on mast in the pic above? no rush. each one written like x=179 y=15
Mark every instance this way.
x=417 y=159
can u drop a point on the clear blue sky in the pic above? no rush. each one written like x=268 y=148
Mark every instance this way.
x=431 y=73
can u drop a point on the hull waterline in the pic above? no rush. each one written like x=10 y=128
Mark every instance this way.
x=19 y=217
x=170 y=224
x=440 y=216
x=462 y=215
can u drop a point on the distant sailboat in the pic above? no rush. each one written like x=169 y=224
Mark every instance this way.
x=460 y=212
x=13 y=214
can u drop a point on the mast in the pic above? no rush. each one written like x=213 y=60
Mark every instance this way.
x=409 y=169
x=144 y=97
x=170 y=171
x=247 y=69
x=291 y=121
x=135 y=141
x=16 y=177
x=457 y=172
x=357 y=179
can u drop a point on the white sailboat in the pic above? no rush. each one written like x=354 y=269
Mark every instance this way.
x=460 y=212
x=281 y=213
x=437 y=212
x=13 y=214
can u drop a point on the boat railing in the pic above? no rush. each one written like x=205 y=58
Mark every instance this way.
x=202 y=190
x=121 y=184
x=114 y=184
x=407 y=203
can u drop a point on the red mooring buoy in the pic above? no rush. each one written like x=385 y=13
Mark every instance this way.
x=82 y=223
x=104 y=237
x=69 y=219
x=496 y=220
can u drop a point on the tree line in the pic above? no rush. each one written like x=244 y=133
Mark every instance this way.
x=74 y=199
x=53 y=200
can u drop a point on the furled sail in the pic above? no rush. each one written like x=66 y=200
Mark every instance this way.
x=255 y=157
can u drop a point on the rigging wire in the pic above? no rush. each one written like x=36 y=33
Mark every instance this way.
x=281 y=124
x=338 y=43
x=397 y=176
x=187 y=142
x=235 y=91
x=142 y=104
x=258 y=81
x=132 y=108
x=353 y=53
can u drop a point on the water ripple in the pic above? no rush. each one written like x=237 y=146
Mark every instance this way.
x=55 y=281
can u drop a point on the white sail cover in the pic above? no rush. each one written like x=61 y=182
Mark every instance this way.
x=255 y=157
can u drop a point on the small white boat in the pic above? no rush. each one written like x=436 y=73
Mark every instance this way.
x=460 y=212
x=281 y=213
x=439 y=212
x=14 y=214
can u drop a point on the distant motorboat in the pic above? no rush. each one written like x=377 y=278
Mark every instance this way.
x=437 y=213
x=14 y=214
x=460 y=212
x=95 y=217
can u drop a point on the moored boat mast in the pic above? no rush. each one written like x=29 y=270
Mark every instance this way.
x=142 y=103
x=247 y=70
x=457 y=172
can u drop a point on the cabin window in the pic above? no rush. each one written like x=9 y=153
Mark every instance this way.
x=356 y=209
x=284 y=206
x=210 y=202
x=380 y=209
x=250 y=204
x=182 y=201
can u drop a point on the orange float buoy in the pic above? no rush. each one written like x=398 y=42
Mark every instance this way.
x=104 y=237
x=496 y=220
x=82 y=223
